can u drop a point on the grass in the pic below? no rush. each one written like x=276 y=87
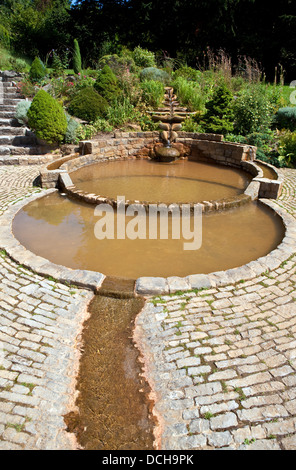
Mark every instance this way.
x=10 y=61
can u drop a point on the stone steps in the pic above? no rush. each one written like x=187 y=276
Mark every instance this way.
x=23 y=150
x=4 y=114
x=8 y=107
x=17 y=143
x=12 y=130
x=10 y=101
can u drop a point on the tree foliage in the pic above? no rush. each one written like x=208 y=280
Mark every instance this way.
x=172 y=28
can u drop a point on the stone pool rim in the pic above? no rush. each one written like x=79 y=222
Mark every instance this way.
x=250 y=193
x=145 y=286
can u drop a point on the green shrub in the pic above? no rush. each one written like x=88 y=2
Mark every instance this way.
x=188 y=73
x=117 y=63
x=87 y=104
x=152 y=73
x=286 y=118
x=76 y=57
x=71 y=131
x=47 y=118
x=18 y=65
x=106 y=84
x=4 y=36
x=37 y=70
x=219 y=115
x=252 y=111
x=21 y=112
x=189 y=94
x=287 y=149
x=143 y=57
x=153 y=92
x=121 y=112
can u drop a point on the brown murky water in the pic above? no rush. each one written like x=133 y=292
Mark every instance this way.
x=113 y=401
x=62 y=231
x=267 y=171
x=144 y=180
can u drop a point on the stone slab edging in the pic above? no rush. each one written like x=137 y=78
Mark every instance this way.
x=153 y=286
x=16 y=251
x=145 y=286
x=26 y=160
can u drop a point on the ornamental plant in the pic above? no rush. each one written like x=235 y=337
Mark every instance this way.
x=143 y=57
x=286 y=118
x=47 y=119
x=253 y=111
x=76 y=58
x=88 y=105
x=219 y=115
x=106 y=84
x=21 y=112
x=37 y=70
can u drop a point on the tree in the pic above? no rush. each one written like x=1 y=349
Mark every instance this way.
x=219 y=116
x=76 y=57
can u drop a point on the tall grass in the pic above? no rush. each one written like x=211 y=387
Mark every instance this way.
x=189 y=94
x=121 y=112
x=153 y=93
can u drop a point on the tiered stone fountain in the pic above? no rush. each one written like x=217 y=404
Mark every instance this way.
x=170 y=118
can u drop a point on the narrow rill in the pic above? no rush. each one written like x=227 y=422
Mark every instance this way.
x=114 y=409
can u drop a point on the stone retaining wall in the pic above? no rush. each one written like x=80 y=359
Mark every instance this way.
x=194 y=146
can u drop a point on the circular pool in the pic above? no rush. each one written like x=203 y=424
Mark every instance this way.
x=63 y=231
x=144 y=180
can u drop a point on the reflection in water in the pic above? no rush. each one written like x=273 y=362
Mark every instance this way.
x=143 y=180
x=63 y=232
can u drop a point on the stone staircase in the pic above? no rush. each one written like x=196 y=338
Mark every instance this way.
x=16 y=141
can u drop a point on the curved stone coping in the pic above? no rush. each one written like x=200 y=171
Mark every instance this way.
x=150 y=286
x=82 y=278
x=146 y=286
x=250 y=193
x=278 y=176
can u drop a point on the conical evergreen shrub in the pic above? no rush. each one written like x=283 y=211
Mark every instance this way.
x=106 y=84
x=47 y=118
x=37 y=70
x=76 y=58
x=219 y=117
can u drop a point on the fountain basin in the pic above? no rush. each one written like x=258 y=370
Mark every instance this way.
x=167 y=154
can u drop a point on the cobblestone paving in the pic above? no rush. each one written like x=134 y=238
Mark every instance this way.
x=39 y=322
x=222 y=361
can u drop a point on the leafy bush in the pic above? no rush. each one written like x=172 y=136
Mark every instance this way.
x=121 y=112
x=252 y=111
x=47 y=118
x=117 y=63
x=37 y=70
x=71 y=131
x=287 y=149
x=190 y=125
x=76 y=58
x=4 y=36
x=286 y=118
x=153 y=92
x=143 y=57
x=18 y=65
x=87 y=104
x=187 y=72
x=188 y=93
x=21 y=112
x=26 y=88
x=219 y=115
x=106 y=84
x=152 y=73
